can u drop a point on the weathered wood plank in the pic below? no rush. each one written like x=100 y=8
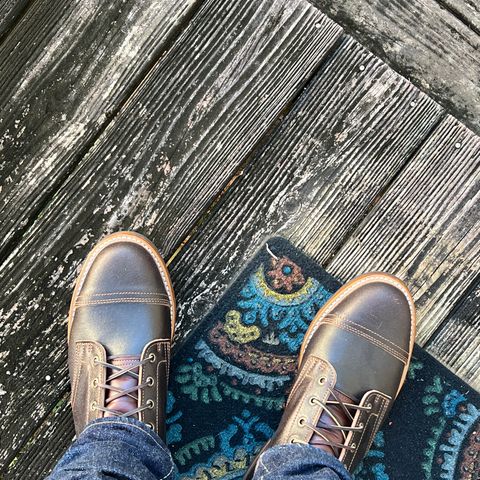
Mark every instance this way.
x=164 y=158
x=426 y=228
x=456 y=343
x=66 y=68
x=355 y=126
x=10 y=12
x=41 y=453
x=424 y=42
x=466 y=10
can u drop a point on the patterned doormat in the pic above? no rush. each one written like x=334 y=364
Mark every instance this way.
x=230 y=380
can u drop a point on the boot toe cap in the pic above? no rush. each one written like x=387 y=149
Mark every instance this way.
x=367 y=333
x=122 y=299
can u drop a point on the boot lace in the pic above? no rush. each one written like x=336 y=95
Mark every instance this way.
x=344 y=429
x=132 y=392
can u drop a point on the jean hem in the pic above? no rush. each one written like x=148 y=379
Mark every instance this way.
x=131 y=422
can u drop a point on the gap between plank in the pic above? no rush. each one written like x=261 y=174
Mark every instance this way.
x=458 y=16
x=468 y=291
x=256 y=150
x=110 y=116
x=382 y=192
x=19 y=18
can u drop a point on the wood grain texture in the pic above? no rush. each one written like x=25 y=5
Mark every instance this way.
x=49 y=442
x=66 y=69
x=422 y=41
x=456 y=343
x=354 y=127
x=468 y=11
x=10 y=12
x=165 y=157
x=426 y=228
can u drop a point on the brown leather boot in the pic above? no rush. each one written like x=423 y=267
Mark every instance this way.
x=352 y=365
x=120 y=326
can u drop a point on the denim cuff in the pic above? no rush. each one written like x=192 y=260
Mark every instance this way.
x=112 y=425
x=299 y=461
x=116 y=447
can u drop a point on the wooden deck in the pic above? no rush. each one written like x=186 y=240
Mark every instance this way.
x=209 y=126
x=434 y=43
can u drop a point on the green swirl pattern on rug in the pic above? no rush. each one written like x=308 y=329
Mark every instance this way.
x=231 y=379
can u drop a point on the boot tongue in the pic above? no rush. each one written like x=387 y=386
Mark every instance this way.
x=332 y=435
x=124 y=403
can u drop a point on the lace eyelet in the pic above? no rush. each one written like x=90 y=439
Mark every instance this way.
x=150 y=403
x=150 y=381
x=152 y=358
x=95 y=382
x=95 y=359
x=322 y=380
x=360 y=425
x=150 y=425
x=353 y=445
x=302 y=421
x=369 y=406
x=293 y=440
x=93 y=406
x=312 y=401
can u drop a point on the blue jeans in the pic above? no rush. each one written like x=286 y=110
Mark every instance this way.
x=126 y=449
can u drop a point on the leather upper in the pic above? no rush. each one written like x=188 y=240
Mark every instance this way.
x=358 y=345
x=123 y=291
x=366 y=335
x=122 y=307
x=315 y=381
x=299 y=408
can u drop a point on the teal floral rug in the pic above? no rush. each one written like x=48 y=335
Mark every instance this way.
x=230 y=381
